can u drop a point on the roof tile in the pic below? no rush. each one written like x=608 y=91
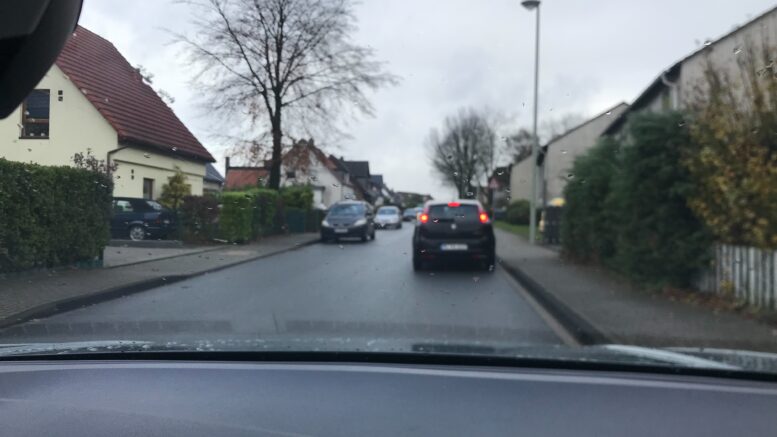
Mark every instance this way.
x=118 y=91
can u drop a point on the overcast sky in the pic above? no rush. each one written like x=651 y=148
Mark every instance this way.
x=456 y=53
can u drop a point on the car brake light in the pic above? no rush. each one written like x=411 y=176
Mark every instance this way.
x=454 y=204
x=424 y=218
x=483 y=217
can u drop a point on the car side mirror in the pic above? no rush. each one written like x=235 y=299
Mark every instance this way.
x=32 y=34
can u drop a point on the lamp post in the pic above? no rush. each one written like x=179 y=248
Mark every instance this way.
x=535 y=150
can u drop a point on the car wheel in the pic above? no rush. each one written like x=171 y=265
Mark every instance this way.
x=365 y=237
x=137 y=233
x=490 y=264
x=417 y=264
x=399 y=226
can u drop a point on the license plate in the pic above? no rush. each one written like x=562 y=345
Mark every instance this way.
x=454 y=247
x=341 y=231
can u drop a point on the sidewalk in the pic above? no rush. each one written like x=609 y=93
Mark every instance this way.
x=44 y=293
x=598 y=308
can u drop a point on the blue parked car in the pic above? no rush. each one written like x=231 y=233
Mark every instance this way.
x=140 y=219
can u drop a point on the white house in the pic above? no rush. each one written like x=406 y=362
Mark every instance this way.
x=306 y=164
x=560 y=154
x=92 y=99
x=676 y=86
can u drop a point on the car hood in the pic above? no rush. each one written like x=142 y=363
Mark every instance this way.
x=696 y=358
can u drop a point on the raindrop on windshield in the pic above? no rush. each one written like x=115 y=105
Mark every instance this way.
x=500 y=172
x=175 y=149
x=707 y=43
x=737 y=50
x=609 y=112
x=455 y=173
x=340 y=246
x=147 y=155
x=570 y=176
x=335 y=185
x=563 y=152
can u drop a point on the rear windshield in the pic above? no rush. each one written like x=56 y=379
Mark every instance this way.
x=388 y=211
x=350 y=209
x=445 y=212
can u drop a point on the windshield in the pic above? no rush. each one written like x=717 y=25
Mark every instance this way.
x=352 y=209
x=400 y=176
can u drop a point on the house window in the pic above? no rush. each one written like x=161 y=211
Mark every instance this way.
x=291 y=174
x=148 y=189
x=35 y=115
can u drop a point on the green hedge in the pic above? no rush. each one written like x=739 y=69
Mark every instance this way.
x=199 y=218
x=518 y=212
x=236 y=219
x=265 y=207
x=297 y=197
x=627 y=205
x=51 y=216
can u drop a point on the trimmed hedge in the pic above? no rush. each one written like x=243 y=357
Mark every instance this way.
x=199 y=218
x=518 y=212
x=297 y=197
x=265 y=207
x=51 y=216
x=236 y=217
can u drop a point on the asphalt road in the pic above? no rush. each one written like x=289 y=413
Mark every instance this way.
x=349 y=292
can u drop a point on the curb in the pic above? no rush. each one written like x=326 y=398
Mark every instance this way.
x=63 y=305
x=577 y=326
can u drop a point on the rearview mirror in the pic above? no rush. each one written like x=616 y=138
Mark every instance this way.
x=32 y=33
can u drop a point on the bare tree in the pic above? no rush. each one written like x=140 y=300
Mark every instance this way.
x=272 y=62
x=553 y=127
x=518 y=146
x=464 y=151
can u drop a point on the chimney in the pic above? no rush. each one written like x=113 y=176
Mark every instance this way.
x=226 y=166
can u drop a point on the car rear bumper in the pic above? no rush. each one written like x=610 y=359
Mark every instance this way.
x=352 y=232
x=432 y=248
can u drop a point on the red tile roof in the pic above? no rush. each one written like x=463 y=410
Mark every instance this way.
x=242 y=177
x=118 y=91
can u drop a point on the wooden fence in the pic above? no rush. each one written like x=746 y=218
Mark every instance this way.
x=748 y=273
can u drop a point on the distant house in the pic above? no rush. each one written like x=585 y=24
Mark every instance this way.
x=213 y=182
x=675 y=87
x=238 y=178
x=306 y=164
x=360 y=177
x=560 y=154
x=410 y=200
x=93 y=100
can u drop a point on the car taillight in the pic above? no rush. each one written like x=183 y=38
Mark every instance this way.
x=454 y=204
x=483 y=217
x=424 y=218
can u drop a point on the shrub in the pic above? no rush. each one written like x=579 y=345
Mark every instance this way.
x=587 y=226
x=235 y=223
x=265 y=206
x=297 y=197
x=660 y=240
x=175 y=190
x=199 y=218
x=51 y=216
x=733 y=160
x=518 y=212
x=627 y=205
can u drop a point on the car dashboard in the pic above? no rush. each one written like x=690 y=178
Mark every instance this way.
x=196 y=398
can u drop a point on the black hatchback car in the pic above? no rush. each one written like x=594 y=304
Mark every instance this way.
x=349 y=219
x=140 y=219
x=455 y=231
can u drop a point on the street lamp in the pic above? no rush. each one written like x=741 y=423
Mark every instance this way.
x=532 y=5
